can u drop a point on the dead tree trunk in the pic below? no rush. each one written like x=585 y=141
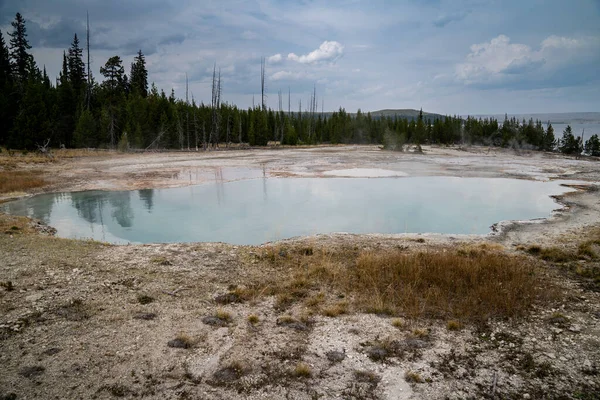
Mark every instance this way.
x=44 y=149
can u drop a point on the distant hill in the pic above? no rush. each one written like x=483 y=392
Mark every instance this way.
x=408 y=113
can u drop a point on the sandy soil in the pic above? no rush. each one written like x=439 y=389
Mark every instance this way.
x=75 y=322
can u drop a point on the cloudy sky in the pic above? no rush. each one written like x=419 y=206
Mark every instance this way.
x=446 y=56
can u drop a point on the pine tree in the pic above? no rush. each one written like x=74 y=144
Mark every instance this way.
x=569 y=144
x=7 y=105
x=67 y=105
x=77 y=74
x=139 y=75
x=21 y=60
x=419 y=135
x=289 y=136
x=5 y=68
x=548 y=141
x=85 y=132
x=114 y=73
x=592 y=146
x=31 y=126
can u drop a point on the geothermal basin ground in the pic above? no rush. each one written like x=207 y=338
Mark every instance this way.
x=514 y=313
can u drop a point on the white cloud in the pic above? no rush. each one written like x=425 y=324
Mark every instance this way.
x=487 y=61
x=562 y=42
x=274 y=59
x=500 y=61
x=328 y=51
x=290 y=75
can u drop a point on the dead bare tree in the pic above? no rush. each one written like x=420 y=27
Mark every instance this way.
x=180 y=131
x=203 y=136
x=262 y=83
x=216 y=105
x=44 y=149
x=187 y=113
x=112 y=126
x=156 y=140
x=281 y=118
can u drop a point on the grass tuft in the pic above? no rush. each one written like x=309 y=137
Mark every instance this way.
x=181 y=341
x=302 y=370
x=223 y=315
x=161 y=261
x=413 y=377
x=420 y=333
x=253 y=319
x=336 y=309
x=453 y=325
x=398 y=323
x=367 y=376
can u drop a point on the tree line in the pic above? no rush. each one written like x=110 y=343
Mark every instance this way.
x=125 y=111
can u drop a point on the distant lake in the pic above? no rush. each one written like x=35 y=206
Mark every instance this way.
x=255 y=211
x=590 y=121
x=590 y=129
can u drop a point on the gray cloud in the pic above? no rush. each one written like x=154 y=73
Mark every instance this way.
x=397 y=53
x=175 y=38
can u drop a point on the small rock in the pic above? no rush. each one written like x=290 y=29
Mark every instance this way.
x=575 y=328
x=228 y=298
x=299 y=326
x=336 y=356
x=178 y=344
x=52 y=351
x=377 y=353
x=214 y=321
x=145 y=316
x=34 y=297
x=526 y=396
x=32 y=371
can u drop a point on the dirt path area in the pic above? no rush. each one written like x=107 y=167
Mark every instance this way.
x=84 y=319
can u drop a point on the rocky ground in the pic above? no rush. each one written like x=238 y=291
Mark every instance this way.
x=82 y=319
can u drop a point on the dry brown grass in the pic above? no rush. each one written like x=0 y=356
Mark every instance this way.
x=413 y=377
x=468 y=284
x=223 y=315
x=398 y=323
x=476 y=285
x=182 y=341
x=20 y=181
x=12 y=224
x=13 y=158
x=569 y=257
x=453 y=325
x=336 y=309
x=420 y=333
x=302 y=370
